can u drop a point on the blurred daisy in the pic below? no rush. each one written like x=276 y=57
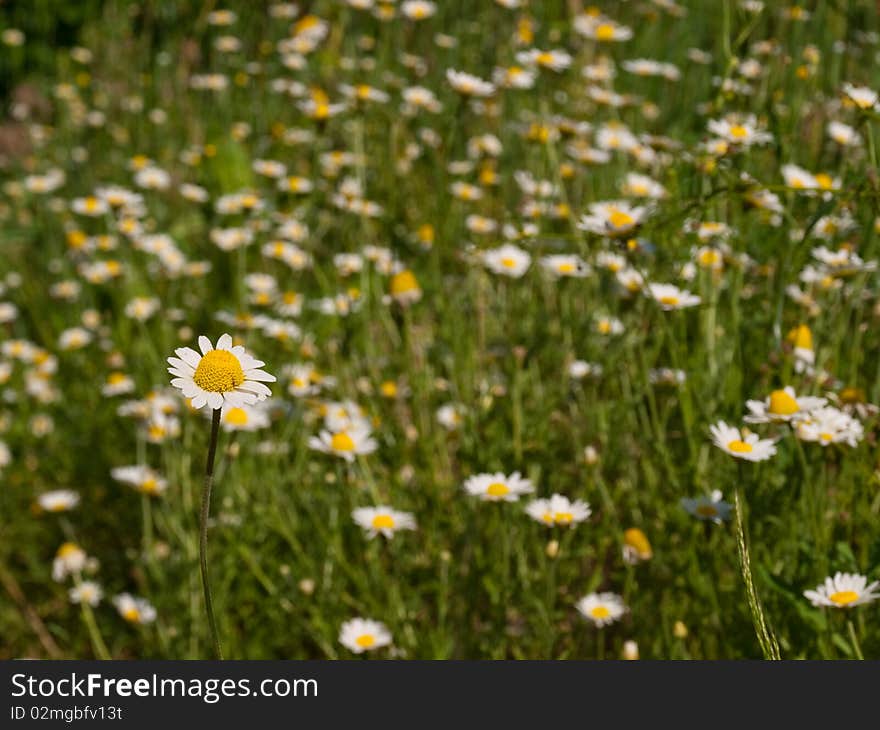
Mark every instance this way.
x=636 y=546
x=244 y=417
x=383 y=520
x=507 y=260
x=86 y=591
x=711 y=508
x=133 y=609
x=141 y=478
x=69 y=560
x=564 y=265
x=364 y=634
x=743 y=445
x=670 y=297
x=782 y=405
x=830 y=425
x=498 y=487
x=844 y=590
x=59 y=500
x=601 y=608
x=558 y=510
x=225 y=375
x=468 y=84
x=344 y=444
x=614 y=218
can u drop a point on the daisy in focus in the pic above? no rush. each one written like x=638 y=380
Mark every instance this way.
x=225 y=375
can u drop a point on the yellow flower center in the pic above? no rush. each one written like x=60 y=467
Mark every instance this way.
x=365 y=641
x=563 y=518
x=131 y=614
x=600 y=612
x=566 y=268
x=497 y=489
x=545 y=58
x=604 y=32
x=219 y=372
x=383 y=522
x=707 y=510
x=843 y=598
x=827 y=437
x=618 y=219
x=782 y=404
x=404 y=282
x=236 y=417
x=68 y=549
x=341 y=442
x=91 y=204
x=670 y=300
x=739 y=447
x=738 y=131
x=508 y=262
x=150 y=486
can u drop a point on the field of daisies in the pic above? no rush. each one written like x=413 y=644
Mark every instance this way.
x=405 y=329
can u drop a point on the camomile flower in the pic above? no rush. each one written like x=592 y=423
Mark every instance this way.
x=117 y=384
x=565 y=265
x=74 y=338
x=244 y=417
x=830 y=425
x=642 y=186
x=142 y=308
x=383 y=520
x=709 y=508
x=636 y=546
x=613 y=218
x=133 y=609
x=70 y=559
x=364 y=634
x=631 y=280
x=843 y=134
x=468 y=84
x=601 y=608
x=609 y=325
x=450 y=416
x=91 y=206
x=418 y=9
x=743 y=445
x=141 y=478
x=498 y=487
x=225 y=375
x=600 y=28
x=782 y=405
x=558 y=510
x=58 y=500
x=861 y=96
x=739 y=132
x=86 y=591
x=844 y=590
x=507 y=260
x=555 y=60
x=405 y=289
x=579 y=369
x=346 y=444
x=670 y=297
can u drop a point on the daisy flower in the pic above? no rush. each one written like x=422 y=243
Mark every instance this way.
x=741 y=445
x=86 y=592
x=69 y=560
x=133 y=609
x=636 y=546
x=141 y=478
x=844 y=590
x=507 y=260
x=861 y=96
x=468 y=84
x=344 y=444
x=601 y=608
x=670 y=297
x=364 y=634
x=782 y=405
x=383 y=520
x=558 y=510
x=225 y=375
x=711 y=508
x=498 y=487
x=244 y=417
x=613 y=218
x=58 y=500
x=830 y=425
x=562 y=265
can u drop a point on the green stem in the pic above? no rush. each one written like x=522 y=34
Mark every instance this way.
x=853 y=637
x=203 y=532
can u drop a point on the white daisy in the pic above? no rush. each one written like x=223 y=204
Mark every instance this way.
x=345 y=444
x=844 y=590
x=498 y=487
x=612 y=218
x=558 y=510
x=507 y=260
x=133 y=609
x=58 y=500
x=364 y=634
x=69 y=560
x=782 y=405
x=86 y=592
x=710 y=508
x=601 y=608
x=384 y=520
x=244 y=417
x=562 y=265
x=741 y=445
x=670 y=297
x=142 y=478
x=830 y=425
x=224 y=375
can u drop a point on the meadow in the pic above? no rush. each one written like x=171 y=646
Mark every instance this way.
x=523 y=329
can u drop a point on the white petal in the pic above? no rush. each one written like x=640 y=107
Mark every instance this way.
x=225 y=342
x=215 y=400
x=259 y=375
x=188 y=355
x=205 y=345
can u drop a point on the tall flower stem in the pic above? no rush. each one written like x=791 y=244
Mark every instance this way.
x=203 y=532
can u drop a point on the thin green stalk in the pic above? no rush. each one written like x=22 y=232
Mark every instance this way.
x=203 y=532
